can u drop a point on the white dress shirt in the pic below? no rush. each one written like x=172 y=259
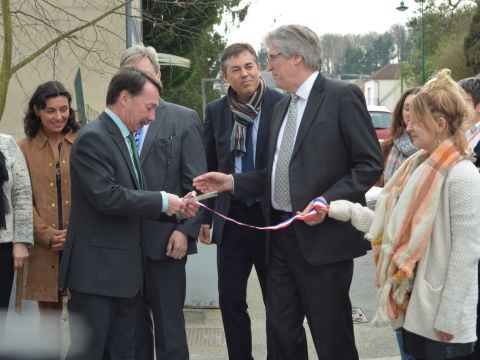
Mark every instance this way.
x=303 y=93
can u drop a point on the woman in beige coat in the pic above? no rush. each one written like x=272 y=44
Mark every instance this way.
x=50 y=128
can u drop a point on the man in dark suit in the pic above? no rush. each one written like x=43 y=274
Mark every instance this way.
x=321 y=145
x=235 y=135
x=102 y=260
x=171 y=155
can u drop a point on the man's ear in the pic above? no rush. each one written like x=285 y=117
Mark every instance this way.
x=297 y=59
x=124 y=97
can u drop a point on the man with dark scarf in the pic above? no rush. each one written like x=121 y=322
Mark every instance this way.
x=236 y=135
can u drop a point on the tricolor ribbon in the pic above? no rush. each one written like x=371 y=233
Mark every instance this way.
x=318 y=204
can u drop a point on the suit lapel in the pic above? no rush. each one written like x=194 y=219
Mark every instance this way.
x=153 y=129
x=119 y=141
x=228 y=119
x=314 y=102
x=277 y=121
x=266 y=110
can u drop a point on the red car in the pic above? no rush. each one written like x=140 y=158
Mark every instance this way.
x=381 y=119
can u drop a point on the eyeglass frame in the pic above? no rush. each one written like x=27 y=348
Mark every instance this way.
x=273 y=57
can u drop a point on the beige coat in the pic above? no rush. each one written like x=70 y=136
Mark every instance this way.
x=40 y=274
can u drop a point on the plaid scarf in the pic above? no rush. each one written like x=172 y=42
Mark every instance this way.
x=401 y=150
x=403 y=223
x=243 y=114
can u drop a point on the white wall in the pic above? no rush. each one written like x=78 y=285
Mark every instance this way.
x=62 y=63
x=382 y=92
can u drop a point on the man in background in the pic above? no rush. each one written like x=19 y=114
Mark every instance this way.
x=171 y=155
x=236 y=135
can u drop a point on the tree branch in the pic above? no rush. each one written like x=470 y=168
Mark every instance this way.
x=63 y=36
x=5 y=69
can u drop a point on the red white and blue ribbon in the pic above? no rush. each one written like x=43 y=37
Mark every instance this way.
x=318 y=204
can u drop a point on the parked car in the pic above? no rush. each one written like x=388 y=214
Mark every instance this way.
x=381 y=119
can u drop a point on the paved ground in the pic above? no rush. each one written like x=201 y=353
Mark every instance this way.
x=207 y=342
x=205 y=332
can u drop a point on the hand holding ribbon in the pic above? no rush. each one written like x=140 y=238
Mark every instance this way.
x=315 y=211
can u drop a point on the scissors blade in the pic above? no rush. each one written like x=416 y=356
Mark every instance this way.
x=203 y=196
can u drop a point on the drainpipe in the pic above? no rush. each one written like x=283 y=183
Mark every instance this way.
x=128 y=24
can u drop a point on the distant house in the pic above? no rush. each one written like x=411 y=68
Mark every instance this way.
x=384 y=86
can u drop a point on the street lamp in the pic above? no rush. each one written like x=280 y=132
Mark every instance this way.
x=402 y=7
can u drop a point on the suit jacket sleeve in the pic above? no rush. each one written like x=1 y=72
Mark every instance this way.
x=250 y=184
x=95 y=169
x=211 y=152
x=359 y=138
x=193 y=164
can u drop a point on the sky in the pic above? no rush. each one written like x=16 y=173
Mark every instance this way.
x=323 y=16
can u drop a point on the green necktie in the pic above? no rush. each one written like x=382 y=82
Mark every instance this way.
x=136 y=160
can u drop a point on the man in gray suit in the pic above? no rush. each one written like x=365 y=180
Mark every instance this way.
x=102 y=260
x=171 y=155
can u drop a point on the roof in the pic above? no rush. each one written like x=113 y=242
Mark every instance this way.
x=387 y=72
x=172 y=60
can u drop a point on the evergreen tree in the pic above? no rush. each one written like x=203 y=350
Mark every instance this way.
x=190 y=34
x=472 y=43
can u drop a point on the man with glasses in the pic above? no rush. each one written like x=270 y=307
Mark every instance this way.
x=322 y=145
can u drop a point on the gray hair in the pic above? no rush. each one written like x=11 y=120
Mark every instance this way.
x=138 y=52
x=297 y=39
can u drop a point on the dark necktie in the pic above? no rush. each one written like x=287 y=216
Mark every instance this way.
x=136 y=160
x=248 y=163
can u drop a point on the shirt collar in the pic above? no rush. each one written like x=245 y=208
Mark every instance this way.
x=123 y=128
x=41 y=139
x=304 y=90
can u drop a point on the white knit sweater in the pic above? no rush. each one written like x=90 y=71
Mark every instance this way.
x=18 y=192
x=445 y=290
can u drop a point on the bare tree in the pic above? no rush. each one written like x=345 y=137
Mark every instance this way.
x=33 y=29
x=333 y=50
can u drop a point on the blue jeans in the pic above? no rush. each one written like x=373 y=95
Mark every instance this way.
x=403 y=354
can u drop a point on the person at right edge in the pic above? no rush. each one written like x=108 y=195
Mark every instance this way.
x=236 y=134
x=471 y=88
x=321 y=145
x=425 y=231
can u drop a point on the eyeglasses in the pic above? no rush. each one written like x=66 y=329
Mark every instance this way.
x=273 y=57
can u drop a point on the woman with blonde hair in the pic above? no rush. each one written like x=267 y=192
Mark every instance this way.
x=426 y=230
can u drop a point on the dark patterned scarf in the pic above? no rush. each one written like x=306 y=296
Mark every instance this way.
x=3 y=199
x=243 y=115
